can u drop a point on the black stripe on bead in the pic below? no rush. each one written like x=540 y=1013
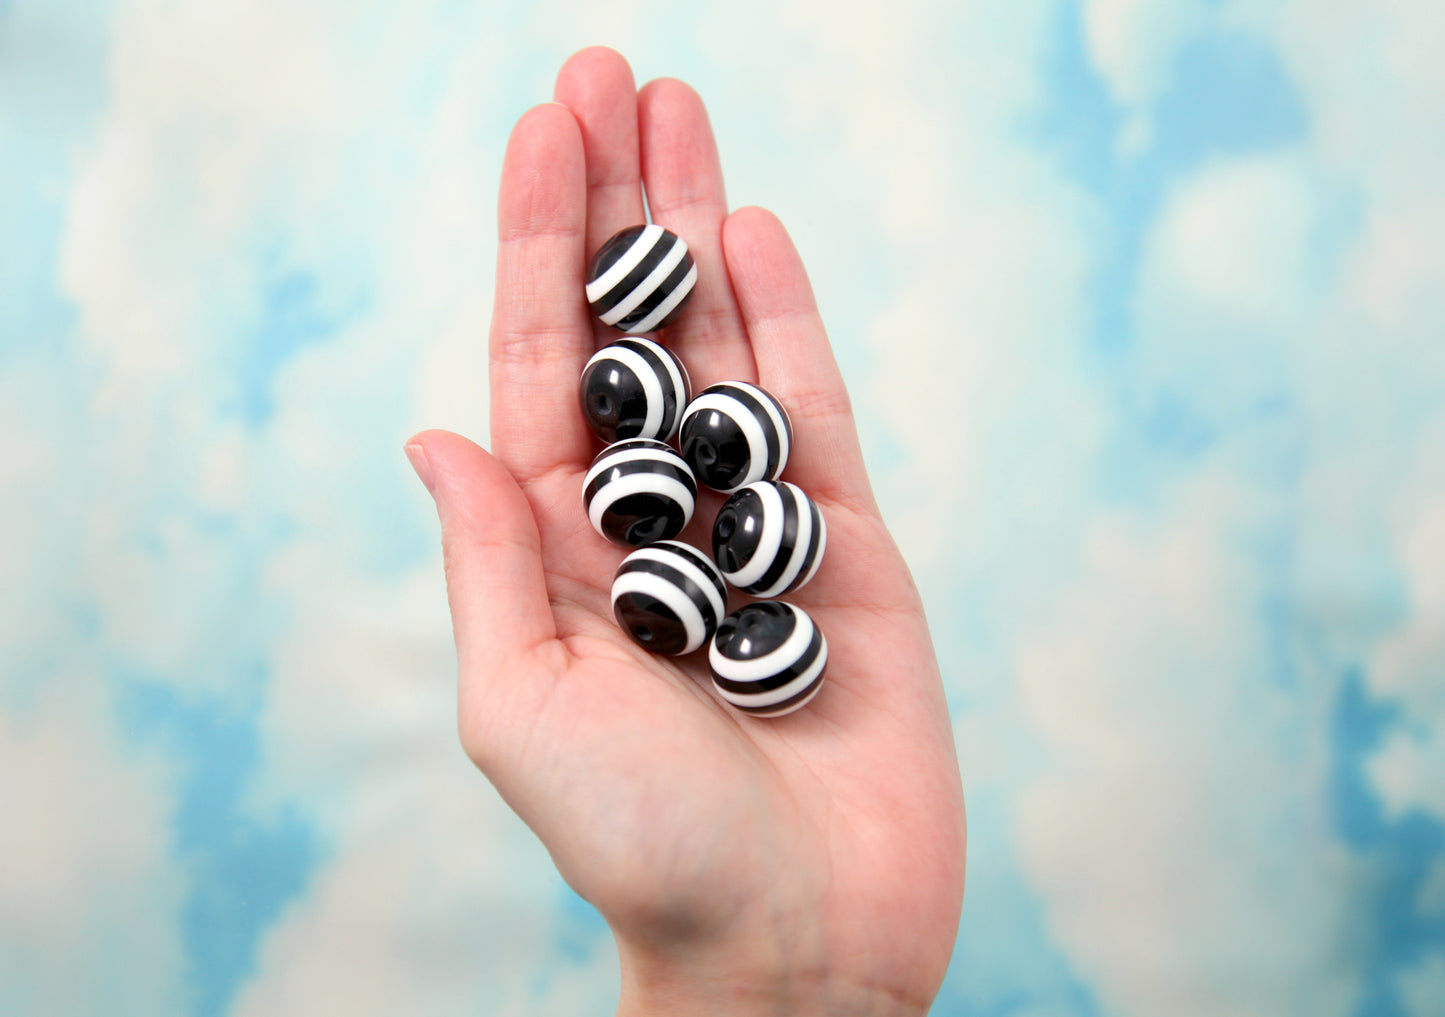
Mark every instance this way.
x=657 y=296
x=611 y=252
x=761 y=415
x=635 y=519
x=787 y=423
x=659 y=466
x=733 y=544
x=726 y=469
x=760 y=639
x=640 y=613
x=787 y=548
x=813 y=545
x=786 y=704
x=681 y=580
x=779 y=678
x=651 y=444
x=671 y=398
x=628 y=414
x=704 y=566
x=684 y=397
x=646 y=352
x=665 y=243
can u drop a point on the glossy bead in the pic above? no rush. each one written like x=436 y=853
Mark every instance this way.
x=668 y=597
x=640 y=279
x=768 y=659
x=769 y=538
x=634 y=388
x=638 y=491
x=735 y=433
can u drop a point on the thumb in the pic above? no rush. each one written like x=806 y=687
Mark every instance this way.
x=493 y=553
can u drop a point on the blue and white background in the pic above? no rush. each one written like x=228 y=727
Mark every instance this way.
x=1142 y=305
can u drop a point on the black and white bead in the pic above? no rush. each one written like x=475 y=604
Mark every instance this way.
x=768 y=658
x=634 y=388
x=639 y=491
x=734 y=433
x=640 y=279
x=769 y=538
x=668 y=597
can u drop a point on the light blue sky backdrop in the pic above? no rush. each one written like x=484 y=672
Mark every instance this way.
x=1141 y=306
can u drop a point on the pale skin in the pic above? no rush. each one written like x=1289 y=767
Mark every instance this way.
x=812 y=864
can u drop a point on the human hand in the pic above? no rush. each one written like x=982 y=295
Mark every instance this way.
x=808 y=864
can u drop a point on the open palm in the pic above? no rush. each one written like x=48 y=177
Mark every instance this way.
x=813 y=862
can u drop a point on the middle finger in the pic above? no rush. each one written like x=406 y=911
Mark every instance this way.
x=684 y=184
x=596 y=84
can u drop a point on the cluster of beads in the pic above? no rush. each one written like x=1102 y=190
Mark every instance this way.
x=766 y=658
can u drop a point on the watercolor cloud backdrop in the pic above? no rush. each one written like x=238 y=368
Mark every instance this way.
x=1140 y=305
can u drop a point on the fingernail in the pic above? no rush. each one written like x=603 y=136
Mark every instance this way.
x=417 y=455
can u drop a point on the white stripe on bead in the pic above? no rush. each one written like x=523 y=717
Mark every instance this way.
x=775 y=410
x=647 y=287
x=620 y=268
x=651 y=386
x=788 y=691
x=804 y=537
x=684 y=385
x=751 y=427
x=774 y=515
x=822 y=546
x=793 y=707
x=670 y=594
x=769 y=664
x=629 y=455
x=639 y=483
x=680 y=385
x=659 y=553
x=674 y=298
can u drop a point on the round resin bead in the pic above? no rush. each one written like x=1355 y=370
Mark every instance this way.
x=768 y=658
x=638 y=491
x=768 y=538
x=634 y=388
x=640 y=279
x=668 y=597
x=735 y=433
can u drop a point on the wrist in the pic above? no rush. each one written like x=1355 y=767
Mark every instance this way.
x=680 y=986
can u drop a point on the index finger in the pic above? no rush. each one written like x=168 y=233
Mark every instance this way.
x=541 y=333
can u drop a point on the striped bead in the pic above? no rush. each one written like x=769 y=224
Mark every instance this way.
x=734 y=433
x=668 y=597
x=634 y=388
x=768 y=659
x=638 y=491
x=769 y=538
x=640 y=279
